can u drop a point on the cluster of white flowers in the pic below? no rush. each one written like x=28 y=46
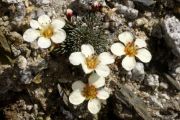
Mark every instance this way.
x=46 y=31
x=131 y=49
x=94 y=91
x=90 y=61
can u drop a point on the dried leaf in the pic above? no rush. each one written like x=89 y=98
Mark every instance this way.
x=3 y=43
x=37 y=79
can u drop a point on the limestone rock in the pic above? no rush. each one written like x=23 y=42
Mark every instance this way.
x=171 y=26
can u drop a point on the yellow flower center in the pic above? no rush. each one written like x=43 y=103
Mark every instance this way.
x=130 y=49
x=90 y=92
x=92 y=62
x=47 y=32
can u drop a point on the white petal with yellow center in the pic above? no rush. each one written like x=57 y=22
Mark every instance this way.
x=76 y=58
x=94 y=106
x=59 y=36
x=144 y=55
x=106 y=58
x=30 y=35
x=85 y=68
x=102 y=70
x=76 y=97
x=78 y=85
x=126 y=37
x=96 y=80
x=103 y=94
x=58 y=23
x=44 y=42
x=87 y=50
x=44 y=20
x=118 y=49
x=34 y=24
x=140 y=43
x=128 y=63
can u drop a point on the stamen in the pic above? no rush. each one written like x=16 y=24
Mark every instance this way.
x=92 y=62
x=130 y=49
x=90 y=92
x=47 y=32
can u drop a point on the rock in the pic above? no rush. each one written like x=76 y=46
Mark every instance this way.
x=164 y=95
x=141 y=21
x=12 y=1
x=26 y=76
x=156 y=101
x=146 y=2
x=138 y=72
x=40 y=2
x=152 y=80
x=15 y=51
x=3 y=68
x=127 y=97
x=171 y=26
x=163 y=85
x=127 y=11
x=22 y=62
x=173 y=82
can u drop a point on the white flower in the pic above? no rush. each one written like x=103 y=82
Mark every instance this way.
x=46 y=30
x=93 y=91
x=90 y=61
x=131 y=49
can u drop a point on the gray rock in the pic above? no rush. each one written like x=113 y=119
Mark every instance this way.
x=12 y=1
x=146 y=2
x=40 y=2
x=127 y=11
x=171 y=26
x=152 y=80
x=156 y=100
x=163 y=85
x=128 y=98
x=26 y=76
x=174 y=67
x=138 y=72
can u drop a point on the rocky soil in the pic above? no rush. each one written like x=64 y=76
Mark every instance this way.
x=35 y=83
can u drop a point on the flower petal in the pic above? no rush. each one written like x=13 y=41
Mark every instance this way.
x=103 y=94
x=85 y=68
x=58 y=23
x=96 y=80
x=140 y=43
x=78 y=85
x=128 y=63
x=59 y=36
x=118 y=49
x=30 y=35
x=44 y=42
x=76 y=58
x=44 y=20
x=76 y=97
x=144 y=55
x=106 y=58
x=126 y=37
x=34 y=24
x=87 y=49
x=102 y=70
x=94 y=106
